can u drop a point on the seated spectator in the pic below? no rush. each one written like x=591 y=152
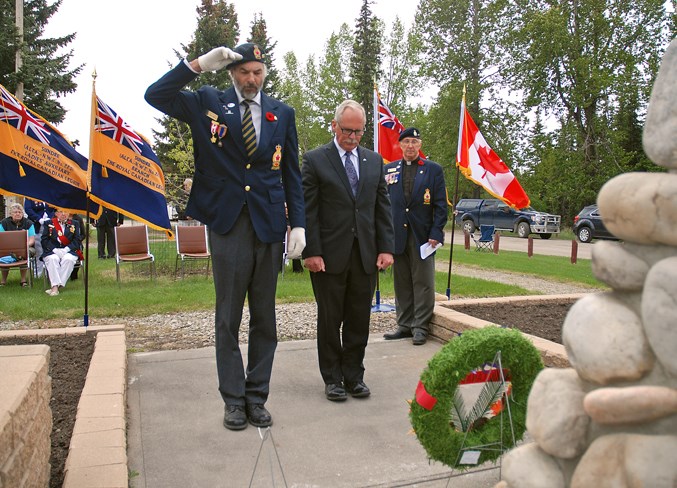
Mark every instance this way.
x=17 y=221
x=81 y=223
x=61 y=244
x=38 y=212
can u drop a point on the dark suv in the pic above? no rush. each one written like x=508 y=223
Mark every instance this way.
x=588 y=225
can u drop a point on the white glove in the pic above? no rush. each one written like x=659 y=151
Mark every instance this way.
x=296 y=243
x=44 y=219
x=217 y=58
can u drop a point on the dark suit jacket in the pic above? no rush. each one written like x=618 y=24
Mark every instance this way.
x=35 y=210
x=225 y=177
x=334 y=217
x=50 y=239
x=426 y=211
x=110 y=218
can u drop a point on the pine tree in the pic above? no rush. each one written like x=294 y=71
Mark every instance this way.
x=45 y=71
x=259 y=36
x=365 y=64
x=217 y=25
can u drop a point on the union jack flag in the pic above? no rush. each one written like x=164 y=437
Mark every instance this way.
x=110 y=124
x=386 y=118
x=17 y=115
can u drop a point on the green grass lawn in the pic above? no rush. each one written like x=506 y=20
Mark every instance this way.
x=137 y=295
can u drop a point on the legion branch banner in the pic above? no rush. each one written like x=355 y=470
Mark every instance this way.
x=37 y=161
x=125 y=173
x=481 y=165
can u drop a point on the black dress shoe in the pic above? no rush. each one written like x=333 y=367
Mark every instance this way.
x=398 y=334
x=234 y=417
x=358 y=390
x=258 y=415
x=335 y=392
x=419 y=338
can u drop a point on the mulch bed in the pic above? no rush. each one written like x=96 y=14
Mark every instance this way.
x=69 y=362
x=68 y=366
x=543 y=320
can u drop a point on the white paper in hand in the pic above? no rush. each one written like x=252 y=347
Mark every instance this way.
x=427 y=249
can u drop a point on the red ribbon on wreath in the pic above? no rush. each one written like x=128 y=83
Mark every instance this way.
x=423 y=398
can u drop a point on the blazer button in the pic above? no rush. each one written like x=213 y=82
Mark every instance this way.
x=247 y=188
x=406 y=209
x=248 y=166
x=405 y=225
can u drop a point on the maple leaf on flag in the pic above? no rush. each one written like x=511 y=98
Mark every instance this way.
x=481 y=165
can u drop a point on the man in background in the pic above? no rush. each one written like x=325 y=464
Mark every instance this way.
x=105 y=231
x=419 y=205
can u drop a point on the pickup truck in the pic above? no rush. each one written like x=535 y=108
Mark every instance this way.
x=470 y=213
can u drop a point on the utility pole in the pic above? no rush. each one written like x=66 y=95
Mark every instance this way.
x=20 y=28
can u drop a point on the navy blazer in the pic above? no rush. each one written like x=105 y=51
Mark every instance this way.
x=336 y=217
x=226 y=178
x=50 y=239
x=426 y=211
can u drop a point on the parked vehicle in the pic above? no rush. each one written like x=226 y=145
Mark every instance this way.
x=588 y=225
x=470 y=213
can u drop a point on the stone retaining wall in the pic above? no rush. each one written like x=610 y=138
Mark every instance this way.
x=447 y=322
x=97 y=454
x=25 y=416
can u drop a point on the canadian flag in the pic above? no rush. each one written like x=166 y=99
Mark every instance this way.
x=481 y=165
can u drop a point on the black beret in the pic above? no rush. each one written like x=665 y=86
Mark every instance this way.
x=249 y=52
x=410 y=132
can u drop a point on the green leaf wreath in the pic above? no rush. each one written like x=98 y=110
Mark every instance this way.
x=434 y=427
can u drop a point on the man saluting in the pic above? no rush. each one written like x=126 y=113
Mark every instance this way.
x=246 y=168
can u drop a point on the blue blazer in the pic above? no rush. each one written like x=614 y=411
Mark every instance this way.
x=426 y=211
x=226 y=178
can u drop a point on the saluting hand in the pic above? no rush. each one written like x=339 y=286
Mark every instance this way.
x=217 y=58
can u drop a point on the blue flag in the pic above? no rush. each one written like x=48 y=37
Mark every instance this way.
x=37 y=161
x=126 y=175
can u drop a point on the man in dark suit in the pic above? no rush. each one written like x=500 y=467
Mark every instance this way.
x=419 y=205
x=350 y=237
x=246 y=168
x=39 y=212
x=105 y=231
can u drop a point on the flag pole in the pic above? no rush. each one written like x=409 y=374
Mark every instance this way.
x=455 y=201
x=378 y=307
x=89 y=189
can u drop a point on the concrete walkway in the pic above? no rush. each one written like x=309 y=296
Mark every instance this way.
x=176 y=437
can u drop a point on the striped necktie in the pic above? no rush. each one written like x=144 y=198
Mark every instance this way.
x=248 y=132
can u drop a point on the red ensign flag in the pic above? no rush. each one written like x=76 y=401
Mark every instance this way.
x=481 y=165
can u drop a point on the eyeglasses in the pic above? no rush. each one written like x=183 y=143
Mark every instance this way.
x=350 y=132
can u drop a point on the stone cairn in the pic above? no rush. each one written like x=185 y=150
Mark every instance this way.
x=611 y=419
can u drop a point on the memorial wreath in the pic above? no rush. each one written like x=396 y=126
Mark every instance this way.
x=437 y=411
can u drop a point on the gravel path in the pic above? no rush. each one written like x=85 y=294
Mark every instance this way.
x=295 y=321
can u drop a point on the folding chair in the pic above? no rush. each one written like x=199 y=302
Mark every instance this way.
x=131 y=246
x=486 y=238
x=191 y=243
x=15 y=243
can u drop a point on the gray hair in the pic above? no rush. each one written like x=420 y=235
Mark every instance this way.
x=16 y=206
x=349 y=104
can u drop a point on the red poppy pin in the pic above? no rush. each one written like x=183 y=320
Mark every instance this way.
x=271 y=117
x=420 y=162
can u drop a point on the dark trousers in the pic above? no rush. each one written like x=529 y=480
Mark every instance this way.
x=244 y=266
x=105 y=236
x=343 y=299
x=414 y=287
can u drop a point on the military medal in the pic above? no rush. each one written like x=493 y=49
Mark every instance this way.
x=214 y=128
x=277 y=157
x=426 y=197
x=223 y=129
